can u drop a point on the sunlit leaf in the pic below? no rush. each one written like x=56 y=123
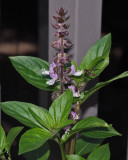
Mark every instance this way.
x=33 y=139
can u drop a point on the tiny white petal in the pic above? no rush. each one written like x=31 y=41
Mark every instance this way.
x=51 y=82
x=78 y=73
x=67 y=131
x=77 y=117
x=76 y=94
x=45 y=72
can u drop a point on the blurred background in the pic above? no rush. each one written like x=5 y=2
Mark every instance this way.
x=22 y=23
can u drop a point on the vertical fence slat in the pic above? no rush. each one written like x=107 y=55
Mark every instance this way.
x=85 y=30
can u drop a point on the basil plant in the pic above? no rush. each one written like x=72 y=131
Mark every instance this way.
x=76 y=137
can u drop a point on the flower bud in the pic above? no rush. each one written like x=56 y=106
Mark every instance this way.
x=61 y=12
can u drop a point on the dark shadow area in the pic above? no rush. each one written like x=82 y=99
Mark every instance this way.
x=23 y=31
x=113 y=98
x=18 y=36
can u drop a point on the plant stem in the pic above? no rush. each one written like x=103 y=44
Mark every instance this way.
x=67 y=146
x=61 y=80
x=73 y=138
x=77 y=107
x=62 y=151
x=72 y=144
x=62 y=67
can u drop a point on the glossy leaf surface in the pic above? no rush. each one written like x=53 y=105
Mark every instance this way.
x=30 y=69
x=101 y=153
x=11 y=137
x=60 y=109
x=20 y=111
x=41 y=153
x=33 y=139
x=100 y=132
x=97 y=57
x=42 y=116
x=91 y=123
x=85 y=145
x=85 y=124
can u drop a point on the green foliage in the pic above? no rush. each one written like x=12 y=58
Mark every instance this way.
x=34 y=116
x=74 y=157
x=42 y=116
x=101 y=152
x=30 y=69
x=6 y=142
x=88 y=93
x=20 y=111
x=41 y=153
x=12 y=134
x=97 y=57
x=60 y=110
x=91 y=123
x=2 y=139
x=47 y=124
x=85 y=145
x=100 y=132
x=33 y=139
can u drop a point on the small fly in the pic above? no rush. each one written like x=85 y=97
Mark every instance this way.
x=89 y=72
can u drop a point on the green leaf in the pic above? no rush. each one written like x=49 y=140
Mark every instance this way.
x=42 y=116
x=33 y=139
x=41 y=153
x=88 y=93
x=74 y=157
x=85 y=145
x=60 y=109
x=20 y=111
x=101 y=153
x=100 y=132
x=97 y=56
x=11 y=136
x=2 y=139
x=86 y=123
x=30 y=69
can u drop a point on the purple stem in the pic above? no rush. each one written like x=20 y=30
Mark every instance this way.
x=62 y=67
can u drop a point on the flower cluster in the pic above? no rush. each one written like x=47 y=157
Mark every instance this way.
x=61 y=59
x=62 y=70
x=61 y=32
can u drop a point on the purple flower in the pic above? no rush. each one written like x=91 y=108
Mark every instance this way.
x=61 y=12
x=67 y=129
x=66 y=26
x=67 y=43
x=74 y=115
x=75 y=94
x=61 y=34
x=56 y=26
x=73 y=69
x=51 y=82
x=52 y=73
x=60 y=26
x=57 y=44
x=74 y=72
x=72 y=88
